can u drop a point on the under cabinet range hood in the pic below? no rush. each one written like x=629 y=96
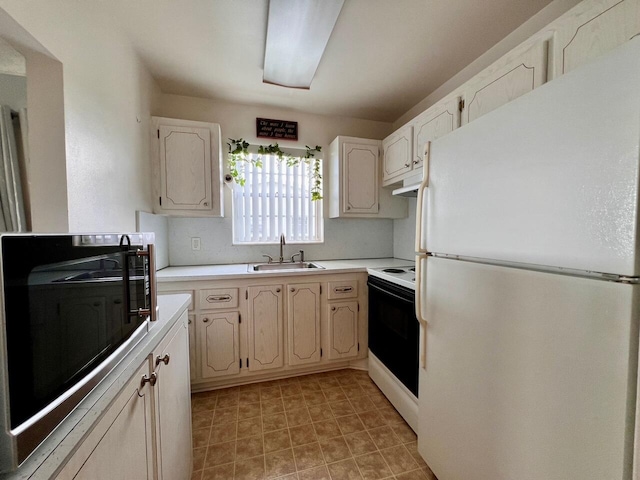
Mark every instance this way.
x=407 y=190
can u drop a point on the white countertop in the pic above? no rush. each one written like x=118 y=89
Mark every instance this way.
x=55 y=451
x=221 y=272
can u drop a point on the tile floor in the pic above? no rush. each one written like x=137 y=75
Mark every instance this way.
x=334 y=426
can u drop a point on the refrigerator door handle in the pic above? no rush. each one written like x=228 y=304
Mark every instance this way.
x=420 y=203
x=419 y=287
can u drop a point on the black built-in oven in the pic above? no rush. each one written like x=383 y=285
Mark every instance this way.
x=70 y=303
x=394 y=330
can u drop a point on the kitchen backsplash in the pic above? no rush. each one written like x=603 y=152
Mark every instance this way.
x=344 y=238
x=404 y=233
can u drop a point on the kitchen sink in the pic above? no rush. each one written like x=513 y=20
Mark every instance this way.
x=264 y=267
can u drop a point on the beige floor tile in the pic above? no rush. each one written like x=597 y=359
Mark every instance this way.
x=279 y=463
x=371 y=419
x=413 y=475
x=335 y=449
x=413 y=450
x=360 y=443
x=404 y=433
x=320 y=412
x=200 y=437
x=206 y=404
x=341 y=409
x=308 y=387
x=201 y=420
x=327 y=429
x=350 y=424
x=318 y=473
x=225 y=415
x=384 y=437
x=249 y=410
x=269 y=407
x=275 y=441
x=344 y=470
x=270 y=393
x=220 y=454
x=378 y=399
x=223 y=433
x=226 y=401
x=293 y=402
x=345 y=380
x=249 y=447
x=199 y=455
x=291 y=389
x=221 y=472
x=353 y=391
x=297 y=417
x=391 y=416
x=314 y=398
x=328 y=383
x=372 y=466
x=251 y=396
x=250 y=469
x=399 y=459
x=291 y=476
x=302 y=435
x=247 y=428
x=335 y=394
x=308 y=456
x=362 y=404
x=196 y=475
x=277 y=421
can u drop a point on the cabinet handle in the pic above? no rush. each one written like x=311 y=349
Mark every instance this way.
x=342 y=289
x=218 y=298
x=205 y=320
x=206 y=204
x=293 y=289
x=348 y=207
x=151 y=379
x=164 y=359
x=333 y=308
x=189 y=322
x=416 y=161
x=407 y=164
x=277 y=290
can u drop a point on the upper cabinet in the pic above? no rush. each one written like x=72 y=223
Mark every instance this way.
x=507 y=79
x=354 y=181
x=397 y=150
x=593 y=28
x=442 y=118
x=187 y=173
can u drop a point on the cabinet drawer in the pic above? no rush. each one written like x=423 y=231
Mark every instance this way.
x=218 y=298
x=344 y=289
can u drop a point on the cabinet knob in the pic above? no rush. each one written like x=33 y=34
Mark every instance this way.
x=416 y=161
x=205 y=320
x=150 y=379
x=277 y=290
x=206 y=204
x=333 y=308
x=407 y=164
x=164 y=359
x=189 y=321
x=293 y=289
x=348 y=207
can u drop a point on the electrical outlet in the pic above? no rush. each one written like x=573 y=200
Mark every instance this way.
x=195 y=243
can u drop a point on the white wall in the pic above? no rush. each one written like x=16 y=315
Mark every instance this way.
x=108 y=95
x=353 y=238
x=404 y=234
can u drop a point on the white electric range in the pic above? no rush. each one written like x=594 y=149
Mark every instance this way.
x=405 y=276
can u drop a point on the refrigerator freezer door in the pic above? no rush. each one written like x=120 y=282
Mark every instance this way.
x=528 y=375
x=548 y=179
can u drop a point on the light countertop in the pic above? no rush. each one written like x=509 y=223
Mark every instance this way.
x=221 y=272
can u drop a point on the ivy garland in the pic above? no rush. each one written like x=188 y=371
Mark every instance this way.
x=239 y=153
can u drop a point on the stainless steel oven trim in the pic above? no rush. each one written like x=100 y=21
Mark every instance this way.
x=31 y=433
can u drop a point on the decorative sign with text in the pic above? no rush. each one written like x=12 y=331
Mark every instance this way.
x=284 y=129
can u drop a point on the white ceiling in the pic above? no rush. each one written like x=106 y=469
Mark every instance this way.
x=383 y=57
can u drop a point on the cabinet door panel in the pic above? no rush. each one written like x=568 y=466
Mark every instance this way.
x=343 y=330
x=303 y=315
x=121 y=445
x=219 y=342
x=266 y=313
x=185 y=167
x=360 y=178
x=173 y=406
x=432 y=124
x=506 y=81
x=604 y=26
x=397 y=155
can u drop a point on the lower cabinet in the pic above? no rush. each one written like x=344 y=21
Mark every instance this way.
x=265 y=324
x=146 y=432
x=343 y=330
x=303 y=323
x=218 y=344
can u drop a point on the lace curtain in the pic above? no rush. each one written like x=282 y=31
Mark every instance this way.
x=12 y=153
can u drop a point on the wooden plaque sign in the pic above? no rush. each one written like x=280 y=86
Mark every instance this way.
x=284 y=129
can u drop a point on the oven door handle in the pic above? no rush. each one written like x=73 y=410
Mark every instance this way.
x=387 y=292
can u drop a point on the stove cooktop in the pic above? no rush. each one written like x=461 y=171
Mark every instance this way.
x=404 y=275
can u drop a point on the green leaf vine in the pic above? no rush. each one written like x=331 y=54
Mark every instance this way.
x=239 y=154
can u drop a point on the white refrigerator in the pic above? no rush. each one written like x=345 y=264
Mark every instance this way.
x=527 y=284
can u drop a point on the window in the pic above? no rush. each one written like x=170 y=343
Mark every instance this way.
x=275 y=199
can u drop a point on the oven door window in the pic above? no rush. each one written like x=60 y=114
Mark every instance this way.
x=394 y=330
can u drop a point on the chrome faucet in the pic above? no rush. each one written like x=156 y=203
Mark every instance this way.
x=282 y=244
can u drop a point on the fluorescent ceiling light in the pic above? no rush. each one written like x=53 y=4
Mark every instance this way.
x=297 y=34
